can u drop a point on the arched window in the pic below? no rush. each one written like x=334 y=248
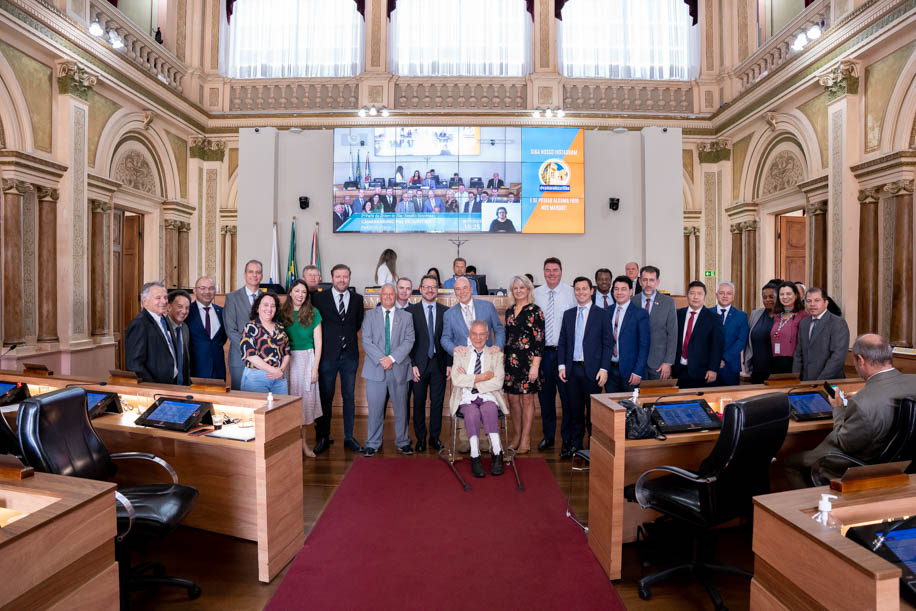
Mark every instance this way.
x=291 y=38
x=628 y=39
x=460 y=38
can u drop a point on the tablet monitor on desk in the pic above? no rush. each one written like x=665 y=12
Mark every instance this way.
x=683 y=416
x=101 y=403
x=13 y=392
x=176 y=414
x=896 y=543
x=810 y=405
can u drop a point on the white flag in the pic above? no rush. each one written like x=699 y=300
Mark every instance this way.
x=274 y=260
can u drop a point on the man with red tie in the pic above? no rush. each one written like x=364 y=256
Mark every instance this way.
x=700 y=341
x=603 y=296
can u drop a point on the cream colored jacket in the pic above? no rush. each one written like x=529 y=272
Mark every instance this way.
x=460 y=381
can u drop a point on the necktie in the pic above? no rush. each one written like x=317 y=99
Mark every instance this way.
x=548 y=321
x=466 y=311
x=648 y=304
x=722 y=315
x=616 y=328
x=340 y=306
x=580 y=333
x=687 y=335
x=179 y=355
x=811 y=329
x=387 y=332
x=250 y=298
x=207 y=320
x=605 y=301
x=432 y=332
x=477 y=370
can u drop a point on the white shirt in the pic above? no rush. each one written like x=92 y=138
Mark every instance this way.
x=599 y=299
x=588 y=308
x=466 y=395
x=251 y=295
x=346 y=298
x=563 y=299
x=651 y=298
x=620 y=312
x=722 y=312
x=686 y=322
x=214 y=319
x=384 y=276
x=168 y=340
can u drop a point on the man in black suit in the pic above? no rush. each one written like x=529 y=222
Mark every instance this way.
x=632 y=271
x=455 y=180
x=341 y=318
x=179 y=306
x=149 y=343
x=389 y=203
x=700 y=341
x=496 y=182
x=340 y=215
x=208 y=332
x=472 y=204
x=431 y=364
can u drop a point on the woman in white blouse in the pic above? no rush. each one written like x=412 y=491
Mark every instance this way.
x=387 y=268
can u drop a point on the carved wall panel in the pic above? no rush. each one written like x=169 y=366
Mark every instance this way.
x=133 y=166
x=644 y=96
x=784 y=171
x=277 y=95
x=424 y=93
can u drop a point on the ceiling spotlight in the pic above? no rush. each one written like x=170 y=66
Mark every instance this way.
x=536 y=114
x=561 y=113
x=362 y=112
x=95 y=29
x=800 y=41
x=372 y=111
x=814 y=32
x=385 y=112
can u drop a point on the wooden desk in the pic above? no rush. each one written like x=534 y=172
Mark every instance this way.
x=61 y=554
x=617 y=462
x=800 y=564
x=251 y=490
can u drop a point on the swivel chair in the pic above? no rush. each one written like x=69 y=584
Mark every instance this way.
x=57 y=437
x=900 y=446
x=9 y=443
x=583 y=457
x=736 y=470
x=449 y=453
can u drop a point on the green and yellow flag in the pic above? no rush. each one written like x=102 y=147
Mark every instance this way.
x=292 y=270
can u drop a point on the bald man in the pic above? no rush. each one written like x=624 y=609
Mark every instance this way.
x=632 y=272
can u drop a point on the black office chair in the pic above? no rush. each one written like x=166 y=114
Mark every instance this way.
x=57 y=437
x=9 y=443
x=900 y=446
x=737 y=469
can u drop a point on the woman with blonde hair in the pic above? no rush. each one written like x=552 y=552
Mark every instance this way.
x=386 y=269
x=524 y=346
x=303 y=327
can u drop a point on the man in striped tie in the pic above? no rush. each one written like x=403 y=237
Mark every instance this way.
x=700 y=341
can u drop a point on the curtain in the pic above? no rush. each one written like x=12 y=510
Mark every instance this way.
x=291 y=38
x=460 y=38
x=622 y=39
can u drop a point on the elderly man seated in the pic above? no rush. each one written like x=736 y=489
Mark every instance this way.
x=477 y=390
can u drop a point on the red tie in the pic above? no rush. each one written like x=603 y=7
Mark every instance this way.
x=605 y=301
x=648 y=304
x=687 y=335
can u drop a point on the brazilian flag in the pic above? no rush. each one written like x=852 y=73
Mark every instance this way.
x=292 y=270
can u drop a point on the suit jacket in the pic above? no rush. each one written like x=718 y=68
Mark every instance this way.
x=636 y=287
x=429 y=205
x=823 y=356
x=663 y=337
x=236 y=314
x=389 y=205
x=633 y=340
x=418 y=354
x=402 y=338
x=455 y=331
x=338 y=220
x=336 y=330
x=146 y=350
x=704 y=352
x=749 y=348
x=495 y=184
x=736 y=331
x=185 y=350
x=207 y=357
x=471 y=207
x=597 y=340
x=460 y=381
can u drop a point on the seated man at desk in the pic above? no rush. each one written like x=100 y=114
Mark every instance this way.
x=862 y=428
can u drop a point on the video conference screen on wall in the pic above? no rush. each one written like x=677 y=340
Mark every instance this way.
x=459 y=180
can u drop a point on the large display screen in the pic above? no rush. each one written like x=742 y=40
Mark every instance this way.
x=459 y=180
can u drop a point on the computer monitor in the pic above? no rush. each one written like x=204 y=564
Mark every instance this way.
x=273 y=287
x=481 y=280
x=476 y=182
x=351 y=184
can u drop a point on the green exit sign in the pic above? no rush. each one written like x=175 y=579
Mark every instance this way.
x=709 y=273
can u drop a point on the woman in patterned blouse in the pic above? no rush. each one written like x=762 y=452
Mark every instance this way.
x=265 y=348
x=524 y=346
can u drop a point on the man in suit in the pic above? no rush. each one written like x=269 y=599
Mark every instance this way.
x=823 y=341
x=603 y=296
x=208 y=333
x=630 y=327
x=404 y=205
x=662 y=324
x=237 y=314
x=736 y=329
x=584 y=357
x=462 y=197
x=432 y=203
x=430 y=181
x=455 y=180
x=700 y=340
x=388 y=336
x=341 y=318
x=404 y=288
x=553 y=297
x=631 y=269
x=360 y=201
x=431 y=364
x=471 y=204
x=496 y=182
x=389 y=203
x=416 y=203
x=459 y=269
x=179 y=306
x=862 y=428
x=340 y=215
x=149 y=343
x=457 y=320
x=312 y=276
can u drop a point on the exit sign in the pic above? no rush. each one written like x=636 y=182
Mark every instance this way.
x=709 y=273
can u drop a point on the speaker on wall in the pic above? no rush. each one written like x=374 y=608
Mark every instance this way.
x=304 y=202
x=614 y=203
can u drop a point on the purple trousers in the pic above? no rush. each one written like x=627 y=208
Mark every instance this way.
x=478 y=410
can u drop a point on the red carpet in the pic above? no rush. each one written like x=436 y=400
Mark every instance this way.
x=401 y=534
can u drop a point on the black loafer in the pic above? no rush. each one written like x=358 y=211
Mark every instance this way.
x=496 y=464
x=435 y=444
x=545 y=444
x=370 y=452
x=351 y=444
x=321 y=445
x=406 y=450
x=566 y=452
x=421 y=446
x=476 y=467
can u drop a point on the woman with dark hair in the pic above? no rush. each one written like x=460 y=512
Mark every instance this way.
x=832 y=306
x=265 y=348
x=788 y=314
x=416 y=180
x=367 y=207
x=303 y=327
x=759 y=351
x=377 y=205
x=399 y=175
x=434 y=271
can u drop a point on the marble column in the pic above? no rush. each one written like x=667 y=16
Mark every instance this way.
x=184 y=230
x=751 y=290
x=47 y=264
x=696 y=254
x=98 y=251
x=688 y=231
x=737 y=231
x=817 y=248
x=224 y=260
x=13 y=193
x=170 y=269
x=868 y=260
x=901 y=334
x=233 y=256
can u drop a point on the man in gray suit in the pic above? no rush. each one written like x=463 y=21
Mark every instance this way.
x=237 y=314
x=863 y=427
x=387 y=339
x=662 y=324
x=823 y=340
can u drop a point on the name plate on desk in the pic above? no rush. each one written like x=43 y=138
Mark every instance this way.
x=869 y=477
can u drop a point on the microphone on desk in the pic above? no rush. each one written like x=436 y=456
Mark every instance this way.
x=8 y=350
x=76 y=384
x=699 y=393
x=809 y=385
x=185 y=397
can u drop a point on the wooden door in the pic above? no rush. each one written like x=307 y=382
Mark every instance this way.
x=127 y=298
x=791 y=248
x=117 y=294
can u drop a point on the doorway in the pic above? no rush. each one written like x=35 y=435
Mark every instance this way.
x=792 y=246
x=127 y=274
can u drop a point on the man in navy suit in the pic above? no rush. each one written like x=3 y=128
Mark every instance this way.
x=149 y=341
x=431 y=364
x=584 y=357
x=458 y=318
x=208 y=334
x=699 y=341
x=471 y=204
x=736 y=329
x=630 y=327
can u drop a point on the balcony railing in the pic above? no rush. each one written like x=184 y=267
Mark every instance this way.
x=283 y=95
x=628 y=96
x=460 y=93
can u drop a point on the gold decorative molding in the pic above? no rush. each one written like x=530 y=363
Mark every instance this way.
x=714 y=151
x=870 y=195
x=899 y=187
x=75 y=79
x=207 y=150
x=840 y=80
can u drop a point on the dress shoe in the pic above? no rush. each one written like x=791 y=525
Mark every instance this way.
x=406 y=450
x=321 y=445
x=421 y=446
x=476 y=467
x=435 y=444
x=566 y=452
x=353 y=445
x=545 y=444
x=370 y=452
x=496 y=464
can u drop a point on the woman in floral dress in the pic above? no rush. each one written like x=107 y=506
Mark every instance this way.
x=524 y=345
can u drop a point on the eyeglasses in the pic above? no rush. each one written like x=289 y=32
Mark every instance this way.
x=206 y=289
